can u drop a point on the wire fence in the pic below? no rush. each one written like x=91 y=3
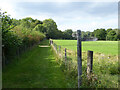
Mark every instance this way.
x=68 y=62
x=66 y=58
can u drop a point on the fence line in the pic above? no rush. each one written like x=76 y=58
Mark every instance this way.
x=70 y=60
x=68 y=57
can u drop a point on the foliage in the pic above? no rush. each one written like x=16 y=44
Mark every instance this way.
x=59 y=34
x=40 y=28
x=67 y=34
x=29 y=22
x=105 y=66
x=33 y=36
x=50 y=28
x=8 y=38
x=86 y=35
x=18 y=33
x=100 y=34
x=111 y=35
x=16 y=22
x=108 y=30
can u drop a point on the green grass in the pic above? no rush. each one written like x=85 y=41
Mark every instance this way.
x=105 y=47
x=36 y=68
x=105 y=62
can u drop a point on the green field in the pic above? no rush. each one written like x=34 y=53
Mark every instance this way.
x=105 y=62
x=105 y=47
x=41 y=68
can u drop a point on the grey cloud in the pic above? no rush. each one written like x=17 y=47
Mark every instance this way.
x=100 y=10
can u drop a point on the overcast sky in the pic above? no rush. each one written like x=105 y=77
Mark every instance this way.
x=86 y=16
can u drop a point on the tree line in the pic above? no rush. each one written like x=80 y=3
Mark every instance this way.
x=18 y=36
x=49 y=28
x=24 y=33
x=102 y=34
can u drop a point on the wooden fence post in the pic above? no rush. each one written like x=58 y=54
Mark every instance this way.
x=52 y=41
x=65 y=57
x=59 y=49
x=89 y=63
x=79 y=58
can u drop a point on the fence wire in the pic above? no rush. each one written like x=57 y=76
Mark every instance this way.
x=101 y=62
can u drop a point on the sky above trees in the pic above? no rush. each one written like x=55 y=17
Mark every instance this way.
x=86 y=16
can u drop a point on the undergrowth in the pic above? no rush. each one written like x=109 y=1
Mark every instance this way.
x=104 y=74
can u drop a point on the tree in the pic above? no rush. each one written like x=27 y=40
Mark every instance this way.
x=15 y=22
x=86 y=35
x=51 y=28
x=59 y=34
x=91 y=34
x=67 y=34
x=35 y=23
x=112 y=35
x=9 y=39
x=108 y=30
x=40 y=27
x=83 y=35
x=26 y=22
x=29 y=22
x=100 y=34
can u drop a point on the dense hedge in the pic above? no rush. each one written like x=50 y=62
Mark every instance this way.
x=16 y=38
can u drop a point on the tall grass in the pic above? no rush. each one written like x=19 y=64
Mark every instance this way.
x=105 y=65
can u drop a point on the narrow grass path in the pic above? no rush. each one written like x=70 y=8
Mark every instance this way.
x=37 y=68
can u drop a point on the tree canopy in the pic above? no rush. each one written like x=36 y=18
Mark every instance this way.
x=100 y=34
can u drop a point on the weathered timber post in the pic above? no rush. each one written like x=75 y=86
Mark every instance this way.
x=52 y=41
x=79 y=58
x=89 y=63
x=65 y=57
x=59 y=49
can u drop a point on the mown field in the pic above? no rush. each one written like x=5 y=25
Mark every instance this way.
x=105 y=62
x=105 y=47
